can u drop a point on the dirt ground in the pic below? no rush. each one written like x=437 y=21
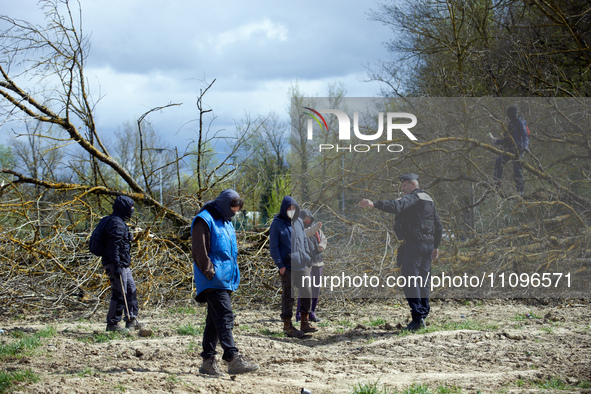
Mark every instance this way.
x=468 y=346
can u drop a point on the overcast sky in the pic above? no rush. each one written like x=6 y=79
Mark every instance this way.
x=148 y=53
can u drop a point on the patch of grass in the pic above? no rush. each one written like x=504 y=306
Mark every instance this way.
x=376 y=322
x=369 y=388
x=47 y=332
x=526 y=316
x=547 y=330
x=173 y=378
x=23 y=346
x=10 y=379
x=417 y=389
x=190 y=329
x=120 y=387
x=552 y=383
x=87 y=371
x=445 y=389
x=465 y=324
x=324 y=323
x=183 y=310
x=245 y=328
x=193 y=347
x=106 y=336
x=345 y=323
x=274 y=334
x=25 y=343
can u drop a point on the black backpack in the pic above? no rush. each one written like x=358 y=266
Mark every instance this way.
x=97 y=241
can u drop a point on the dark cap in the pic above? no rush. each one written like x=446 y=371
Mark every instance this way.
x=408 y=177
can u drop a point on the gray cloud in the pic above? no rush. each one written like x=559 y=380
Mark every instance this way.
x=147 y=53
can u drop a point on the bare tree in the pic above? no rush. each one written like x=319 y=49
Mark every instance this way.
x=55 y=57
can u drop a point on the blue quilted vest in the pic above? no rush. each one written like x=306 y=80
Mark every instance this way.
x=223 y=255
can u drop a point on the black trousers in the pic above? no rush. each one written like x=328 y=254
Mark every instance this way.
x=517 y=171
x=290 y=281
x=416 y=267
x=117 y=305
x=219 y=325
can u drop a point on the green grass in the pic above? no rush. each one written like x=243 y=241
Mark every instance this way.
x=102 y=337
x=10 y=379
x=190 y=330
x=369 y=388
x=526 y=316
x=465 y=324
x=193 y=347
x=376 y=322
x=551 y=384
x=417 y=388
x=445 y=389
x=345 y=323
x=25 y=343
x=274 y=334
x=87 y=371
x=547 y=330
x=183 y=310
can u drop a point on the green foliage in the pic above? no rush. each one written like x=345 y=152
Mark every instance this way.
x=278 y=191
x=7 y=159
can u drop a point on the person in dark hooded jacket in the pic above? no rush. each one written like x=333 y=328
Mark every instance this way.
x=116 y=261
x=216 y=273
x=290 y=251
x=515 y=141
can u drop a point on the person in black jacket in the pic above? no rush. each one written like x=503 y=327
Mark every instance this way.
x=515 y=141
x=418 y=224
x=116 y=261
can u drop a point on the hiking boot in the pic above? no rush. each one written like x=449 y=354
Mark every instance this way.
x=305 y=325
x=415 y=325
x=134 y=324
x=314 y=318
x=210 y=367
x=116 y=328
x=290 y=330
x=422 y=323
x=238 y=364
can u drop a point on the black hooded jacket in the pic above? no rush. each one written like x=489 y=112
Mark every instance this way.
x=119 y=237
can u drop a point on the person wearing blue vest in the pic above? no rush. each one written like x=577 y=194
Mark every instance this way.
x=215 y=267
